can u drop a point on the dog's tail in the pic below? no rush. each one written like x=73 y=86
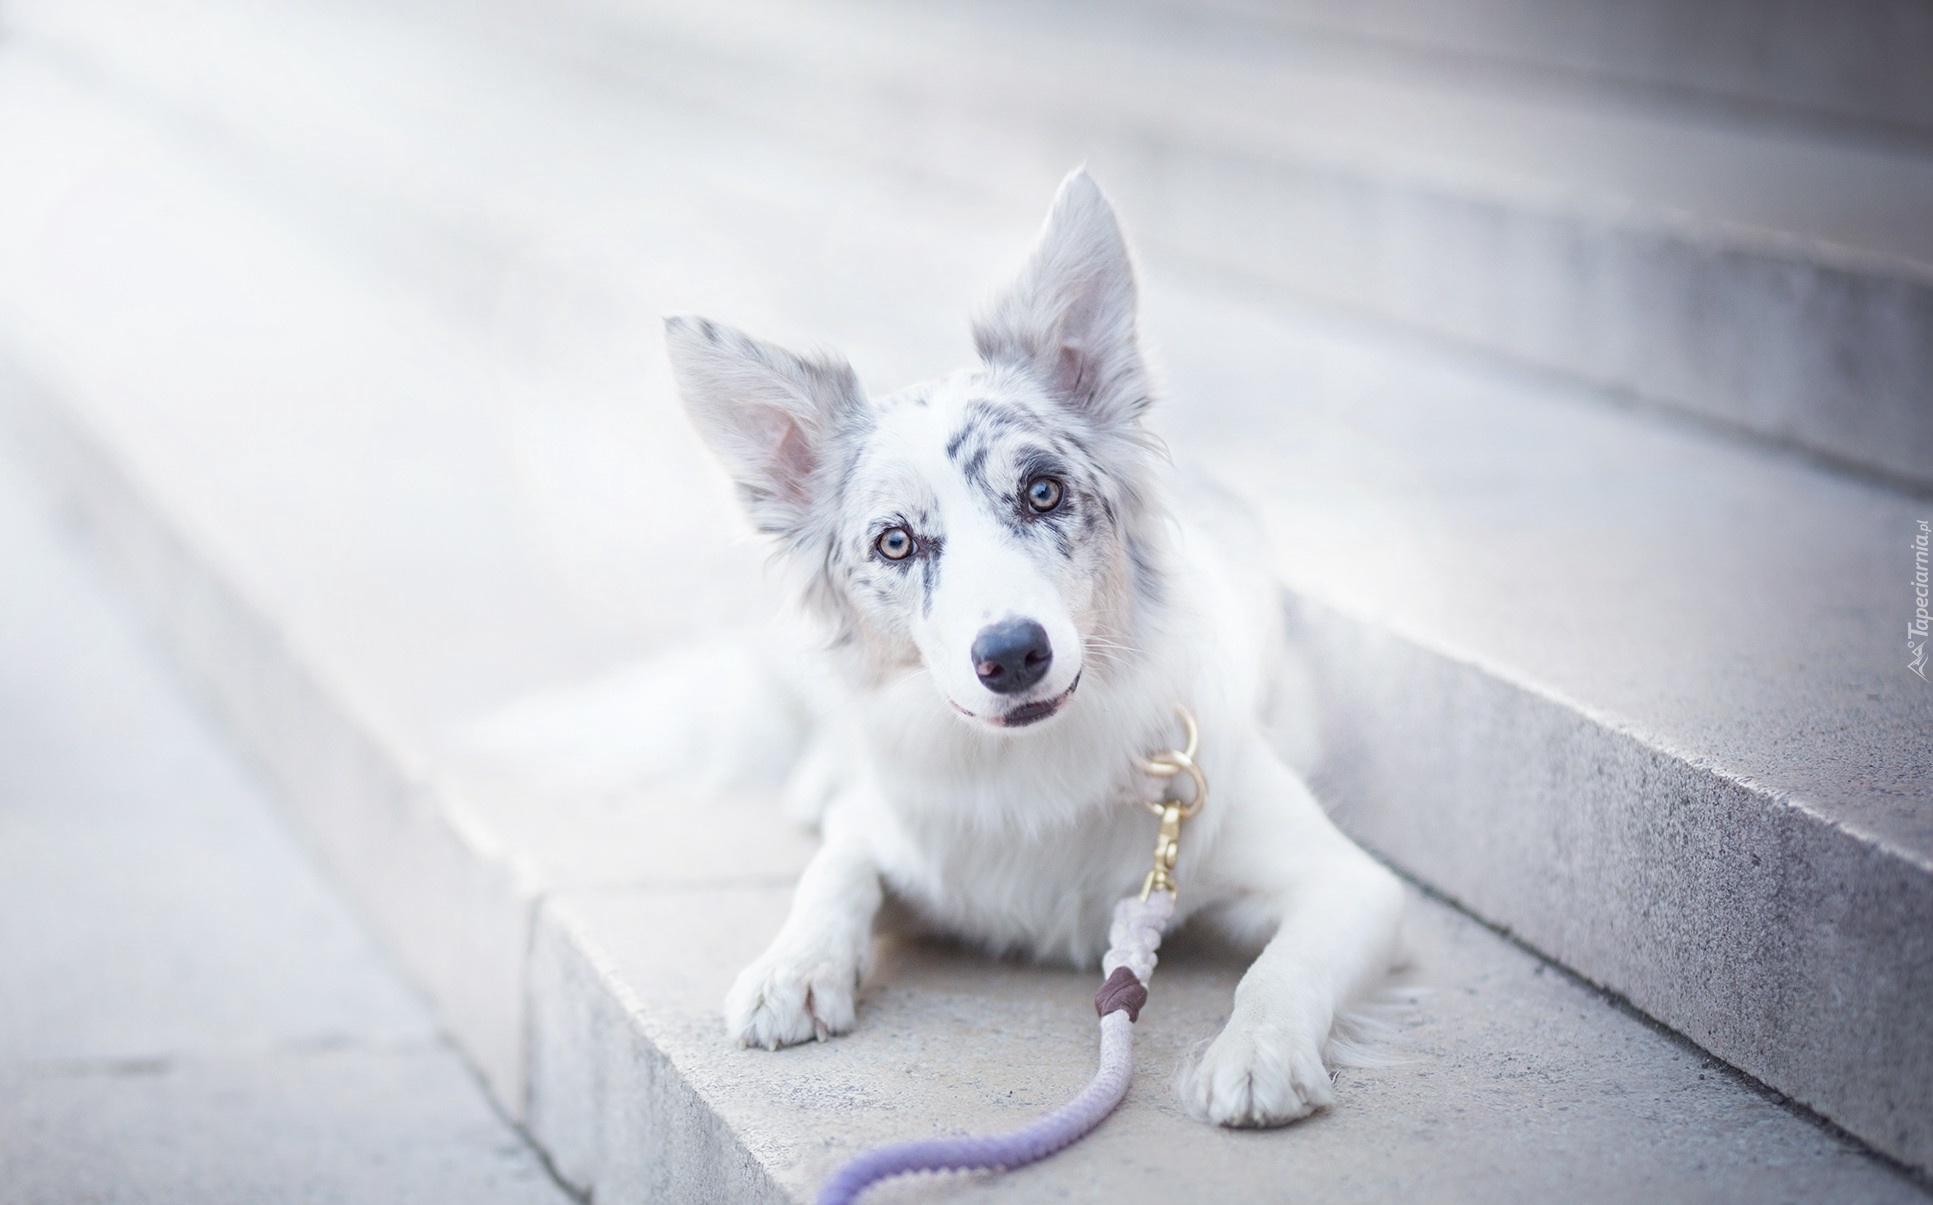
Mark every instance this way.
x=727 y=713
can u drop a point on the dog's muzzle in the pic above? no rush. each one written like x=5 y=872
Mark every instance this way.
x=1040 y=709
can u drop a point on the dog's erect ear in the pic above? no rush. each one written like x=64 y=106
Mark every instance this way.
x=769 y=415
x=1070 y=316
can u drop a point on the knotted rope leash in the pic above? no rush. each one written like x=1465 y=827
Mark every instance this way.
x=1129 y=963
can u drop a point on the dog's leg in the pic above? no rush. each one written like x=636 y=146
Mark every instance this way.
x=803 y=985
x=1337 y=912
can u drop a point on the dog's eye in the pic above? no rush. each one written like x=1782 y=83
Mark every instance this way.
x=1043 y=494
x=894 y=543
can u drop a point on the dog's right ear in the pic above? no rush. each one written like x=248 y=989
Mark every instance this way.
x=771 y=416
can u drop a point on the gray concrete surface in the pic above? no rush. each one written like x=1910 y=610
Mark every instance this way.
x=1773 y=278
x=1632 y=691
x=1502 y=1079
x=1866 y=63
x=188 y=1011
x=383 y=437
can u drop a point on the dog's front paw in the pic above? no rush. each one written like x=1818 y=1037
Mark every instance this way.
x=790 y=996
x=1257 y=1075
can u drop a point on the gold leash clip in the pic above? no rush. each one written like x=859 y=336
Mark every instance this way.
x=1167 y=843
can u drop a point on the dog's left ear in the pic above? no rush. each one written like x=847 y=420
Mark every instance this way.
x=1070 y=317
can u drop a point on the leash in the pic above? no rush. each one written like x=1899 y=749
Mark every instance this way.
x=1139 y=921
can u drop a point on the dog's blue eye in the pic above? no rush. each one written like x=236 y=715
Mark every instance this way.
x=894 y=544
x=1043 y=494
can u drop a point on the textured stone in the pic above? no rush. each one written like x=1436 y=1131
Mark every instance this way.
x=406 y=1125
x=1654 y=667
x=1501 y=1079
x=1865 y=60
x=1764 y=276
x=189 y=1012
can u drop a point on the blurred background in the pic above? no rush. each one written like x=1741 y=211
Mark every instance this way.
x=1577 y=355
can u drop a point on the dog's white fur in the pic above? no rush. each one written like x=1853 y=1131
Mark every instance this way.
x=1021 y=839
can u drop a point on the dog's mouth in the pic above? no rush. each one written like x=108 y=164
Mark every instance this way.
x=1026 y=713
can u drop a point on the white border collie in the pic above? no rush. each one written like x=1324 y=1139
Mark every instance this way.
x=1012 y=612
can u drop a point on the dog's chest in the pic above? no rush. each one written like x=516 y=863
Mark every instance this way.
x=1047 y=892
x=1019 y=846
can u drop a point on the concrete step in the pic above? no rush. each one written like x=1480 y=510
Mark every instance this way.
x=1866 y=66
x=1769 y=276
x=372 y=413
x=1764 y=275
x=189 y=1011
x=1634 y=692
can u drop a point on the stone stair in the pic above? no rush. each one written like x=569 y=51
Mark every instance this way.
x=1587 y=409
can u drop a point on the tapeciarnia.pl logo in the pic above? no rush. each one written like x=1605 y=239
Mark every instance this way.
x=1916 y=630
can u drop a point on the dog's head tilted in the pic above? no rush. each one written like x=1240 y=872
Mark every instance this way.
x=992 y=527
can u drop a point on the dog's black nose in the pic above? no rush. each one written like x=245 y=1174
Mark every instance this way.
x=1011 y=655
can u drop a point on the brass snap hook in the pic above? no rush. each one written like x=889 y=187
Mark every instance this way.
x=1167 y=844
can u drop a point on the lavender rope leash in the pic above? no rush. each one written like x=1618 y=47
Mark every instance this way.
x=1130 y=963
x=1135 y=935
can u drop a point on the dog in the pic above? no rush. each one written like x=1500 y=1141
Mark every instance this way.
x=1010 y=608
